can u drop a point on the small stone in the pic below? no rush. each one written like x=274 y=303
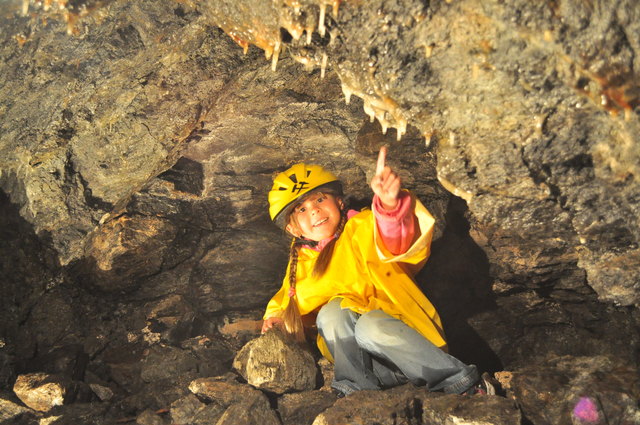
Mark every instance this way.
x=41 y=391
x=103 y=393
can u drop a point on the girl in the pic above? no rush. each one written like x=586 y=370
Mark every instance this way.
x=354 y=269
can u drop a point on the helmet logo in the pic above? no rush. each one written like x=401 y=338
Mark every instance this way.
x=299 y=187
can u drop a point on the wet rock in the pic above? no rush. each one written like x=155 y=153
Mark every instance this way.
x=274 y=363
x=41 y=391
x=553 y=390
x=409 y=405
x=302 y=408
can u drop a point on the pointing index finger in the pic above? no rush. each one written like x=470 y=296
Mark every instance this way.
x=381 y=160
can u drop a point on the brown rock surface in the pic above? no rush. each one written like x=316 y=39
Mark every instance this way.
x=137 y=146
x=410 y=405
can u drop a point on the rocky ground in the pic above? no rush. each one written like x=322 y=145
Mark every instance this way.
x=138 y=142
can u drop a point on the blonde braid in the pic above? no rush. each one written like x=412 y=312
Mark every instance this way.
x=292 y=319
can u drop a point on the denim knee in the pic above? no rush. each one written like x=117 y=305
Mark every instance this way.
x=377 y=329
x=331 y=315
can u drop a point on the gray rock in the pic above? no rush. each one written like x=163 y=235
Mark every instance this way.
x=104 y=393
x=274 y=363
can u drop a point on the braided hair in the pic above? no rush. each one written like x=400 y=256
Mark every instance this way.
x=291 y=317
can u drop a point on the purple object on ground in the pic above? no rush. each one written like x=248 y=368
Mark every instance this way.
x=586 y=410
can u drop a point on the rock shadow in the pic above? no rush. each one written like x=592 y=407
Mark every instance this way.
x=457 y=281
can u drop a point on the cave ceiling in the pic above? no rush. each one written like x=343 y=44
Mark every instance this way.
x=527 y=112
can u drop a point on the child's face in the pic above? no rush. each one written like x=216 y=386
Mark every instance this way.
x=316 y=218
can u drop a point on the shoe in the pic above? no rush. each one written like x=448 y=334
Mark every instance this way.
x=337 y=393
x=485 y=386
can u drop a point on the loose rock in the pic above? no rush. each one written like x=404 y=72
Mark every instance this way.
x=41 y=391
x=273 y=363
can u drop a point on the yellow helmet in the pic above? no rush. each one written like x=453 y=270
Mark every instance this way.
x=295 y=183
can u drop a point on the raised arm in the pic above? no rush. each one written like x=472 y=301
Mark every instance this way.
x=392 y=208
x=386 y=183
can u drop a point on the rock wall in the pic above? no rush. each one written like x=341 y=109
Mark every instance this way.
x=138 y=142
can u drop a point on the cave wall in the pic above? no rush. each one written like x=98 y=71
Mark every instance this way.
x=532 y=109
x=138 y=142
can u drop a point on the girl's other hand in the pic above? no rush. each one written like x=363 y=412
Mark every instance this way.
x=270 y=322
x=386 y=183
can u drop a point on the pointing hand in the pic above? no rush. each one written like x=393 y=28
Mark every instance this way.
x=386 y=183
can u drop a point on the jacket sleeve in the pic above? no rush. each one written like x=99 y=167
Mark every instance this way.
x=279 y=301
x=396 y=227
x=419 y=251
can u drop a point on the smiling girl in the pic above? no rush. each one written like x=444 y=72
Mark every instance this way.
x=354 y=272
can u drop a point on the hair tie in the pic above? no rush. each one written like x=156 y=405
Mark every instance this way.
x=292 y=292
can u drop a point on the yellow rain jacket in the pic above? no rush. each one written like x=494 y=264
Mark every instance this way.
x=368 y=277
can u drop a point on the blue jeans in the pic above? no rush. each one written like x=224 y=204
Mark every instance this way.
x=375 y=351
